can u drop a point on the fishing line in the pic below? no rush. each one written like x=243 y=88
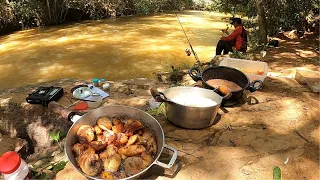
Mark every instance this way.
x=193 y=52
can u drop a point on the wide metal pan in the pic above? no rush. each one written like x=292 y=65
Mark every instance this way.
x=114 y=111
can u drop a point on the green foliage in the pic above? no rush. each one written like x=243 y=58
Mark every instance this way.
x=52 y=169
x=32 y=13
x=281 y=15
x=55 y=136
x=276 y=173
x=157 y=111
x=176 y=74
x=59 y=166
x=239 y=55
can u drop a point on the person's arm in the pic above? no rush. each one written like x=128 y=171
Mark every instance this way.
x=233 y=35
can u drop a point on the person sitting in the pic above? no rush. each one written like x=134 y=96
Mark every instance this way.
x=237 y=40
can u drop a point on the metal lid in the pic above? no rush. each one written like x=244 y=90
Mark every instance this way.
x=82 y=92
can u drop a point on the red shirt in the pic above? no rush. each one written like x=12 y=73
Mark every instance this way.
x=235 y=36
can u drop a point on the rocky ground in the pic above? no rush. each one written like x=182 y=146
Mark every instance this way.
x=277 y=125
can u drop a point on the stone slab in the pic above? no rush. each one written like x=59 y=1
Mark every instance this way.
x=309 y=78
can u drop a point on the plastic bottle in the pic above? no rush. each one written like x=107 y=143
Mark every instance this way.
x=13 y=167
x=95 y=82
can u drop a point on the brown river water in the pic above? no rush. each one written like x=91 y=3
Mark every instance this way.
x=115 y=49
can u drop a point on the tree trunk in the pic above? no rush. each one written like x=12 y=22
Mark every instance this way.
x=263 y=32
x=49 y=11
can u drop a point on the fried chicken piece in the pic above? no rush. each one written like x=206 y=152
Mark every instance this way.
x=151 y=146
x=107 y=175
x=104 y=123
x=118 y=139
x=118 y=128
x=112 y=164
x=147 y=159
x=136 y=139
x=116 y=121
x=87 y=160
x=107 y=133
x=80 y=149
x=90 y=163
x=121 y=139
x=110 y=151
x=133 y=165
x=102 y=138
x=150 y=142
x=111 y=139
x=132 y=140
x=103 y=155
x=85 y=134
x=131 y=126
x=123 y=157
x=98 y=145
x=97 y=130
x=147 y=134
x=131 y=150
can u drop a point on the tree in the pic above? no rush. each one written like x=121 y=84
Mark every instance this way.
x=262 y=22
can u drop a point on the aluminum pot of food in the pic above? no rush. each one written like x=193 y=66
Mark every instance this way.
x=190 y=107
x=234 y=80
x=114 y=142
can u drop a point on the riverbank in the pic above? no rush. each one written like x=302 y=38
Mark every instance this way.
x=247 y=140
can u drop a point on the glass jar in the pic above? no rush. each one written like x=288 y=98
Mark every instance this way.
x=13 y=167
x=102 y=81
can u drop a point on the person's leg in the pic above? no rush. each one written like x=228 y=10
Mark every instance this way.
x=224 y=46
x=219 y=47
x=228 y=47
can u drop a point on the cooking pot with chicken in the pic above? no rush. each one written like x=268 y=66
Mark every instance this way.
x=115 y=142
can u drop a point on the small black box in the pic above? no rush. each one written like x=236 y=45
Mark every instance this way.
x=43 y=95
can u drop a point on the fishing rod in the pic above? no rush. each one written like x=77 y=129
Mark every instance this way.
x=193 y=52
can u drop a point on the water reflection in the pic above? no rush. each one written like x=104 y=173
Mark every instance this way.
x=116 y=49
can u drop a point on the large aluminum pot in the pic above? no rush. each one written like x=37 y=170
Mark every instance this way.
x=191 y=117
x=120 y=112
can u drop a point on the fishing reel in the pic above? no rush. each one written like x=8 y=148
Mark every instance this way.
x=188 y=52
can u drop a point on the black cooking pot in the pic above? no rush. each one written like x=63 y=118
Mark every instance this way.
x=226 y=73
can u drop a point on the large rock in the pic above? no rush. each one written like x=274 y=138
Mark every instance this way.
x=11 y=144
x=309 y=78
x=70 y=173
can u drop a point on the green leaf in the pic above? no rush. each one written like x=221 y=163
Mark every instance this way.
x=59 y=166
x=55 y=136
x=157 y=111
x=44 y=176
x=276 y=173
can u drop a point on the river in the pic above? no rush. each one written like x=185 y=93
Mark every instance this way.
x=115 y=49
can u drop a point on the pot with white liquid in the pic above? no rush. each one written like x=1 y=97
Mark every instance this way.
x=189 y=107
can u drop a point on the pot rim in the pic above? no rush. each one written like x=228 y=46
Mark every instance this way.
x=216 y=67
x=193 y=107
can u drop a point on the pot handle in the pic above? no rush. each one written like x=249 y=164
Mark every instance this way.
x=157 y=95
x=63 y=112
x=194 y=73
x=252 y=87
x=172 y=160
